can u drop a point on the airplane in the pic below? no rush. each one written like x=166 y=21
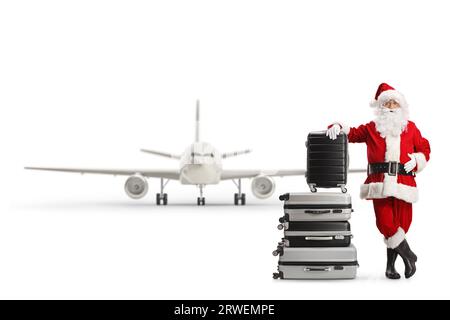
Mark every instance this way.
x=200 y=165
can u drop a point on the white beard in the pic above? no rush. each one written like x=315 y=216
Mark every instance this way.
x=391 y=122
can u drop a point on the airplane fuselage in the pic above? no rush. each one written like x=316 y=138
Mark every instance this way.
x=200 y=164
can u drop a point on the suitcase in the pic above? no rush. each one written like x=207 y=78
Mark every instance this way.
x=330 y=206
x=317 y=234
x=317 y=263
x=327 y=161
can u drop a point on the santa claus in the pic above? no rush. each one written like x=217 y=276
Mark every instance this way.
x=396 y=151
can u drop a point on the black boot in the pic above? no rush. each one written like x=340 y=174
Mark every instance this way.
x=409 y=258
x=391 y=273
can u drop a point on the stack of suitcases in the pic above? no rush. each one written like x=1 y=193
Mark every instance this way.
x=317 y=235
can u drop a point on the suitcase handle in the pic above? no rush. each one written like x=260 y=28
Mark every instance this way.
x=317 y=211
x=319 y=238
x=315 y=269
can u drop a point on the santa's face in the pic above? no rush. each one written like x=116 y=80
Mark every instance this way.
x=391 y=119
x=391 y=104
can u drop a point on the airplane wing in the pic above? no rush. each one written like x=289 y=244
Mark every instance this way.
x=166 y=174
x=236 y=174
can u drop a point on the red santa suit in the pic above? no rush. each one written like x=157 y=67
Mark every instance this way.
x=392 y=195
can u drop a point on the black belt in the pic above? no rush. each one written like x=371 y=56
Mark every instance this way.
x=392 y=168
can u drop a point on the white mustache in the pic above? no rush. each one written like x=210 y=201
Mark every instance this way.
x=387 y=111
x=390 y=121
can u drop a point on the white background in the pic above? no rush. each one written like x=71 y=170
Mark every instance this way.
x=89 y=83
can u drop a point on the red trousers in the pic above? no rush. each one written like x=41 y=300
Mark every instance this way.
x=392 y=213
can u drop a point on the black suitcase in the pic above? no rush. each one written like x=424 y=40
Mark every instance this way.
x=317 y=234
x=327 y=161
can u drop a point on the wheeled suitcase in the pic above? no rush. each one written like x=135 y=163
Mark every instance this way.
x=330 y=206
x=327 y=161
x=317 y=263
x=317 y=234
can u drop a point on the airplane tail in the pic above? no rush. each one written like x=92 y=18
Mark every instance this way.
x=197 y=138
x=197 y=122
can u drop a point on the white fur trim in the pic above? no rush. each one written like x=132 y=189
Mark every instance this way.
x=388 y=95
x=392 y=154
x=380 y=190
x=392 y=148
x=420 y=160
x=344 y=128
x=394 y=241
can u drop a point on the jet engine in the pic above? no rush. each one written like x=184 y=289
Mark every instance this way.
x=263 y=186
x=136 y=186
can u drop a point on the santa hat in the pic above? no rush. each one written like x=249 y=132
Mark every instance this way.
x=385 y=93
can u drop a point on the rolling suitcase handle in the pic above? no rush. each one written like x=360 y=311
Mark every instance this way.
x=319 y=238
x=325 y=269
x=317 y=211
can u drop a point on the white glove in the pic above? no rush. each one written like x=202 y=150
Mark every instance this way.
x=333 y=132
x=411 y=164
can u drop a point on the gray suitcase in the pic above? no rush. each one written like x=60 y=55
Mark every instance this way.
x=330 y=206
x=317 y=234
x=316 y=263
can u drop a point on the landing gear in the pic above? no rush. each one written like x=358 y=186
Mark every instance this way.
x=201 y=199
x=239 y=197
x=162 y=197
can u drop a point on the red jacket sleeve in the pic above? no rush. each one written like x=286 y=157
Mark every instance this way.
x=358 y=134
x=422 y=150
x=354 y=134
x=421 y=144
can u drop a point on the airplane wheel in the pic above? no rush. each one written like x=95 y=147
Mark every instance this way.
x=243 y=199
x=158 y=199
x=236 y=199
x=165 y=199
x=201 y=201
